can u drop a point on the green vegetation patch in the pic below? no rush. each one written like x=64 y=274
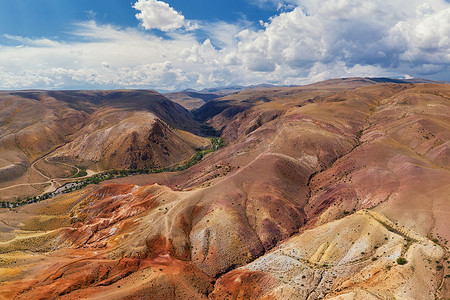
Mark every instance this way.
x=216 y=143
x=401 y=260
x=81 y=173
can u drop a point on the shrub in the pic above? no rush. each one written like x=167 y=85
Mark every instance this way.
x=81 y=173
x=401 y=260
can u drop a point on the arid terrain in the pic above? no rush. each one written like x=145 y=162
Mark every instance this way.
x=335 y=190
x=47 y=137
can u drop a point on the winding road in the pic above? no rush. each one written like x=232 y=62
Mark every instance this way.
x=53 y=182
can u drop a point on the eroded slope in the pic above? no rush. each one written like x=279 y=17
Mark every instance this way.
x=320 y=199
x=48 y=136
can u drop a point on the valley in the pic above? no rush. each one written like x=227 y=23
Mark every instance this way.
x=334 y=190
x=49 y=137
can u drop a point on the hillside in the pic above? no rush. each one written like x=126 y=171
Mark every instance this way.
x=192 y=99
x=52 y=134
x=335 y=190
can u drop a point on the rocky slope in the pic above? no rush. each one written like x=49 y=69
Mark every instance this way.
x=337 y=190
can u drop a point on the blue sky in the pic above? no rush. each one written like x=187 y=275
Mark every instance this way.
x=177 y=44
x=54 y=18
x=25 y=17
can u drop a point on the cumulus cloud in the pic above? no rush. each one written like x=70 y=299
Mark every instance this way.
x=388 y=38
x=133 y=59
x=314 y=41
x=159 y=15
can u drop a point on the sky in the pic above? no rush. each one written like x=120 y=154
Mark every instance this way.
x=177 y=44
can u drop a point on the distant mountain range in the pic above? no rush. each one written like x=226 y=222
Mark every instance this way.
x=192 y=99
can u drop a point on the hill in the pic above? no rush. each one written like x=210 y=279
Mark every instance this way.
x=53 y=134
x=335 y=190
x=192 y=99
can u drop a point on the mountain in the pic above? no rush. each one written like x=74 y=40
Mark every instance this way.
x=192 y=99
x=52 y=134
x=335 y=190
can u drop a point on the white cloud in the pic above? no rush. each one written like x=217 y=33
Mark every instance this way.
x=279 y=4
x=385 y=38
x=316 y=40
x=117 y=58
x=105 y=65
x=427 y=38
x=159 y=15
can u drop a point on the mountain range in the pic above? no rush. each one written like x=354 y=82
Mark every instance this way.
x=333 y=190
